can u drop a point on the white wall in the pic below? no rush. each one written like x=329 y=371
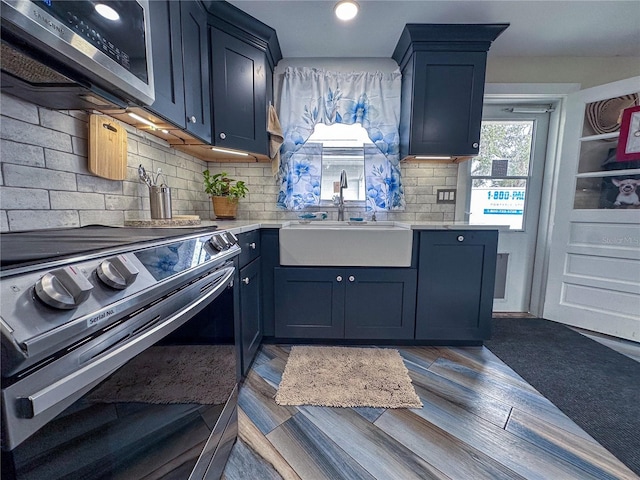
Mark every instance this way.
x=587 y=71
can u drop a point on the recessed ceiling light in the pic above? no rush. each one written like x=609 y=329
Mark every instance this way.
x=346 y=9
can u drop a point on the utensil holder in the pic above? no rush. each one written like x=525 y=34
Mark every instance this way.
x=160 y=199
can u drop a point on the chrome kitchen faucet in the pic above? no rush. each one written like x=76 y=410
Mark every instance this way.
x=343 y=185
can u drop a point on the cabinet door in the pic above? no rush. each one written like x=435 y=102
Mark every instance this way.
x=167 y=61
x=309 y=303
x=380 y=303
x=270 y=260
x=456 y=275
x=239 y=94
x=197 y=97
x=447 y=103
x=250 y=312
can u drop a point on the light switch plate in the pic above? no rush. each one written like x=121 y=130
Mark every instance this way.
x=446 y=195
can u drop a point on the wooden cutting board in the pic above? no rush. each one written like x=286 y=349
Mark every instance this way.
x=107 y=148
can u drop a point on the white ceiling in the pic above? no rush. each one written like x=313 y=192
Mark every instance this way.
x=308 y=28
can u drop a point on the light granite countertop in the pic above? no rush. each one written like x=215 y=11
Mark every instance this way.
x=241 y=226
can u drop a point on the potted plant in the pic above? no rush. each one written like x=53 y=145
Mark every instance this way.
x=225 y=193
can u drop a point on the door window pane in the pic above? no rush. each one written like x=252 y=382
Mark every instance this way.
x=498 y=202
x=500 y=174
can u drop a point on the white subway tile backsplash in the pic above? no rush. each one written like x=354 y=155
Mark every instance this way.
x=22 y=154
x=40 y=219
x=429 y=217
x=67 y=162
x=23 y=132
x=23 y=199
x=120 y=202
x=90 y=183
x=80 y=146
x=61 y=122
x=19 y=109
x=101 y=217
x=76 y=201
x=32 y=177
x=4 y=222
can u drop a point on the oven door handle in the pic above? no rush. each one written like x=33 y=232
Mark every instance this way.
x=99 y=369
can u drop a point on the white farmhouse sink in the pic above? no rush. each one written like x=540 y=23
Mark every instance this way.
x=349 y=244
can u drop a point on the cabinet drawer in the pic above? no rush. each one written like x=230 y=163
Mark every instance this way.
x=250 y=245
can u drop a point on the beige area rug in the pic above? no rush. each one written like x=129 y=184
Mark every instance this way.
x=202 y=374
x=346 y=377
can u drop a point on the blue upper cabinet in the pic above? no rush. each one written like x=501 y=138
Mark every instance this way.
x=443 y=73
x=167 y=62
x=181 y=66
x=213 y=69
x=195 y=48
x=244 y=53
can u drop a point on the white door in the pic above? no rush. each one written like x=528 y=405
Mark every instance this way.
x=594 y=259
x=503 y=187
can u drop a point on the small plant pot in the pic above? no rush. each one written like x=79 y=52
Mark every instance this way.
x=225 y=208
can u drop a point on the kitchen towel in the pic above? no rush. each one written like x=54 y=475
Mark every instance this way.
x=276 y=139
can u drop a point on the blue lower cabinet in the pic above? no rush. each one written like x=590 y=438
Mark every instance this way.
x=351 y=303
x=250 y=312
x=456 y=275
x=309 y=303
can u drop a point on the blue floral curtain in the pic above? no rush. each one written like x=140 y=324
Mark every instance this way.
x=311 y=96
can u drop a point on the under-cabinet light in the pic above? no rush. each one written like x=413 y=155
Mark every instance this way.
x=429 y=157
x=232 y=152
x=143 y=120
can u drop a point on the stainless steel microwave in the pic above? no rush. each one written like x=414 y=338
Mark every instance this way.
x=77 y=54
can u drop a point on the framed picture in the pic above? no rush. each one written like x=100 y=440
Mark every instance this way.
x=629 y=140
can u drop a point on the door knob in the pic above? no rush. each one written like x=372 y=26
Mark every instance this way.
x=339 y=278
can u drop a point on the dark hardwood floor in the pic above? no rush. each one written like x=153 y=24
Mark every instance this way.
x=479 y=420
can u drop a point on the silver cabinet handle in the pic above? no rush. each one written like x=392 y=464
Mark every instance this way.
x=460 y=238
x=246 y=280
x=193 y=119
x=223 y=135
x=475 y=145
x=352 y=278
x=253 y=245
x=339 y=278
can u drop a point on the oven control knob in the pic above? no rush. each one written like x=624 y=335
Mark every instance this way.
x=225 y=243
x=215 y=242
x=117 y=272
x=64 y=288
x=232 y=238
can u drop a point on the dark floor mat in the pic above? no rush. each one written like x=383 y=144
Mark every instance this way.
x=597 y=387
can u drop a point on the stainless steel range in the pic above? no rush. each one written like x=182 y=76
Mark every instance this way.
x=118 y=353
